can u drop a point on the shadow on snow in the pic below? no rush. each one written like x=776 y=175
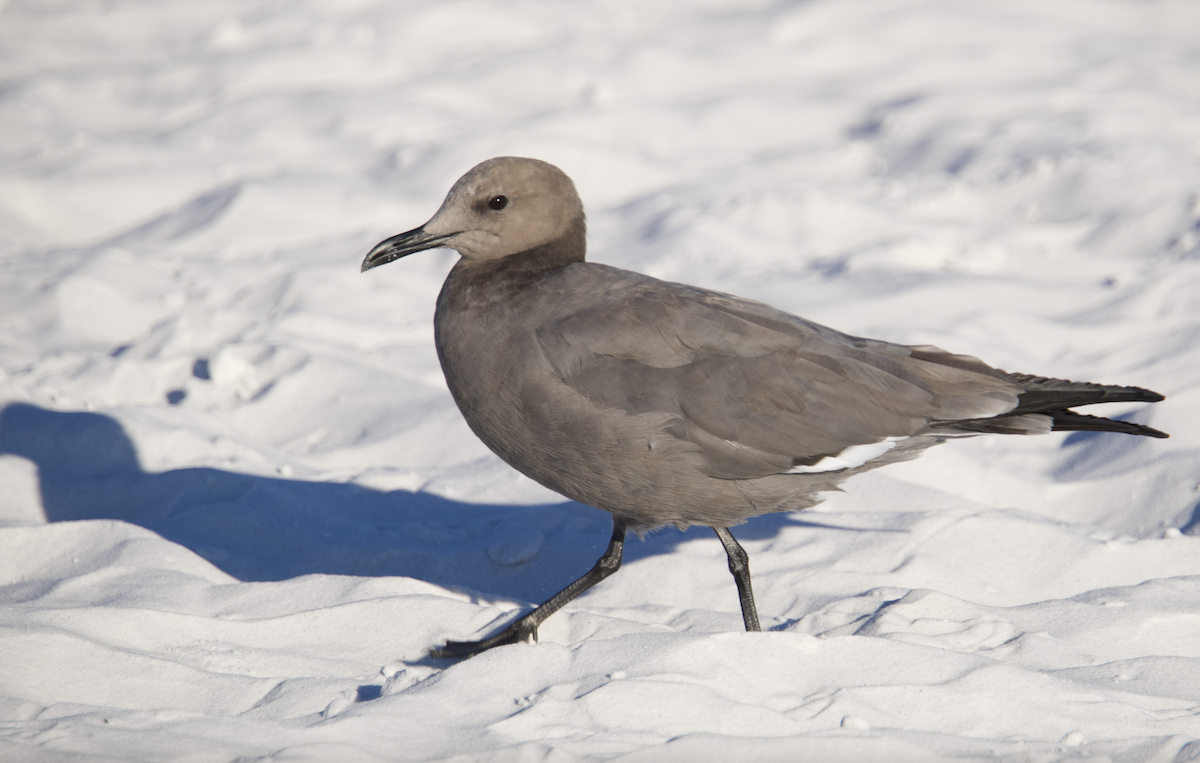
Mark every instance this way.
x=262 y=529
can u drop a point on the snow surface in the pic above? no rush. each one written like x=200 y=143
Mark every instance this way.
x=237 y=504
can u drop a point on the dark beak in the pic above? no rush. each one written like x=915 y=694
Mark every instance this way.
x=402 y=245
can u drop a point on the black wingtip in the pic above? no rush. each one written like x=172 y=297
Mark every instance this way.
x=1070 y=421
x=1043 y=394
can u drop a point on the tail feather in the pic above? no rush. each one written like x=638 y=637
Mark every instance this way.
x=1052 y=399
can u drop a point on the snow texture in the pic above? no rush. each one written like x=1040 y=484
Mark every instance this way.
x=237 y=504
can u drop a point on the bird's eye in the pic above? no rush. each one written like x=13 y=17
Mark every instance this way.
x=498 y=202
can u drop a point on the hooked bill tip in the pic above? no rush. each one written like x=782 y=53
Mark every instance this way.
x=402 y=245
x=380 y=255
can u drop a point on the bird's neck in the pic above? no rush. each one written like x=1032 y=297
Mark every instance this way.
x=482 y=325
x=570 y=247
x=475 y=284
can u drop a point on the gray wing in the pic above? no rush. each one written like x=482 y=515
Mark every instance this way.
x=757 y=390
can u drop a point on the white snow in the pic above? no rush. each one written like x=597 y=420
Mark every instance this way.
x=237 y=504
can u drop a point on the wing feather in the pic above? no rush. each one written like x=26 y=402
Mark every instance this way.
x=758 y=390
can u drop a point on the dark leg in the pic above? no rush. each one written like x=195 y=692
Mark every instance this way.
x=739 y=565
x=526 y=627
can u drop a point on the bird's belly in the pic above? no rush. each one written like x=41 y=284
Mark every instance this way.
x=628 y=464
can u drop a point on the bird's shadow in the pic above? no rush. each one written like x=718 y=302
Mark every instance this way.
x=264 y=529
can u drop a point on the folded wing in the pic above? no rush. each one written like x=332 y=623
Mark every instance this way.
x=757 y=390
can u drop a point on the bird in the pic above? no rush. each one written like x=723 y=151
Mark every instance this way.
x=668 y=404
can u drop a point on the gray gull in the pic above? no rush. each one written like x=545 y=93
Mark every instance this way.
x=670 y=404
